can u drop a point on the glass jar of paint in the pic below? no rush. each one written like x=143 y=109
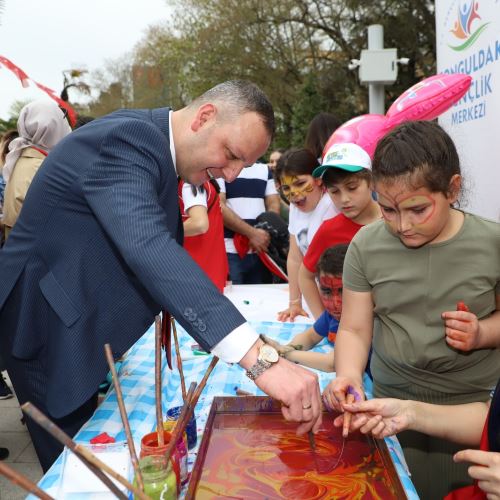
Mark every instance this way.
x=158 y=477
x=191 y=431
x=182 y=449
x=150 y=446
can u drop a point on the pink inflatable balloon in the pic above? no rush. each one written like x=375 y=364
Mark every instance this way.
x=364 y=130
x=425 y=100
x=429 y=98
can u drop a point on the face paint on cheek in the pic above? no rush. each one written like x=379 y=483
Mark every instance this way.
x=303 y=190
x=308 y=187
x=285 y=188
x=331 y=294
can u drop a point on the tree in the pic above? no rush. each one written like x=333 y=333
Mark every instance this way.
x=73 y=78
x=14 y=110
x=297 y=51
x=114 y=84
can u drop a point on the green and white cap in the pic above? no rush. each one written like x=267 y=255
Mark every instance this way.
x=346 y=156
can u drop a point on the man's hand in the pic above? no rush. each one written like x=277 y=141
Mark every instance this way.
x=485 y=468
x=298 y=390
x=259 y=240
x=295 y=387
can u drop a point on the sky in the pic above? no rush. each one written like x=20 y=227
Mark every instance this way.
x=44 y=38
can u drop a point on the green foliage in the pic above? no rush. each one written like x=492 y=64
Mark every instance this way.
x=9 y=124
x=14 y=110
x=297 y=51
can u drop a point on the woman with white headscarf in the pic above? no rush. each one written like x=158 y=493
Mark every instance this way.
x=41 y=125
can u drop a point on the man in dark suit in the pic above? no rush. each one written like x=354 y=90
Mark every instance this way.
x=95 y=255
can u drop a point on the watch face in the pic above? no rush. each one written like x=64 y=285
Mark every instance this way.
x=269 y=354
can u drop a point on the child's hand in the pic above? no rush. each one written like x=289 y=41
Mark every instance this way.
x=485 y=468
x=291 y=313
x=336 y=391
x=379 y=417
x=462 y=328
x=282 y=349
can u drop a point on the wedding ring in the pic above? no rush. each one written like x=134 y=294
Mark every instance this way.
x=307 y=407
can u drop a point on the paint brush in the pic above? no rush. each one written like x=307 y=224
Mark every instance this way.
x=312 y=441
x=347 y=416
x=188 y=409
x=166 y=336
x=84 y=454
x=179 y=360
x=159 y=416
x=123 y=414
x=312 y=445
x=17 y=478
x=241 y=392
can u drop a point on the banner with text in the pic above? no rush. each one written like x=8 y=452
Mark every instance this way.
x=468 y=41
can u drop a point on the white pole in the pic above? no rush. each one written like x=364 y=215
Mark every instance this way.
x=376 y=90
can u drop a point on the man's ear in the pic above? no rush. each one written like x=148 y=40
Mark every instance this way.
x=205 y=114
x=454 y=188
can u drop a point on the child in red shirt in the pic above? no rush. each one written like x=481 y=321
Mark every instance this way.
x=346 y=174
x=204 y=229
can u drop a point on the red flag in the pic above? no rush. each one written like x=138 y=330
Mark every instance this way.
x=242 y=246
x=24 y=78
x=16 y=70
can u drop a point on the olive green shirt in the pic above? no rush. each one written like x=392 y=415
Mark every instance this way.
x=411 y=289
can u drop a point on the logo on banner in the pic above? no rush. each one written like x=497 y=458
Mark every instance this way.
x=467 y=27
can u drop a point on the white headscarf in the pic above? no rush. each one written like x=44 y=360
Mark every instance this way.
x=41 y=124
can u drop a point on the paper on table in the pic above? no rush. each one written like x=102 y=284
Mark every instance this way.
x=79 y=482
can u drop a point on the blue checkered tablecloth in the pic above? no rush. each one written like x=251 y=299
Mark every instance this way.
x=137 y=382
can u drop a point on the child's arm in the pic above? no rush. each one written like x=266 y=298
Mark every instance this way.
x=197 y=222
x=297 y=350
x=352 y=346
x=295 y=297
x=306 y=339
x=461 y=424
x=309 y=289
x=323 y=361
x=464 y=331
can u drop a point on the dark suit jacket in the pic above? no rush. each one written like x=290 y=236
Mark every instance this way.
x=95 y=255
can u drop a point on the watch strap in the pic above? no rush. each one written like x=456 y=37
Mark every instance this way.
x=258 y=369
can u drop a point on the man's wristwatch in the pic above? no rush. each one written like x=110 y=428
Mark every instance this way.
x=267 y=357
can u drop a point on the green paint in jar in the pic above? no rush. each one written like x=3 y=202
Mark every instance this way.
x=160 y=482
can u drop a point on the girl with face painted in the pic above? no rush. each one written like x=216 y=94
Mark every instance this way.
x=430 y=274
x=310 y=205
